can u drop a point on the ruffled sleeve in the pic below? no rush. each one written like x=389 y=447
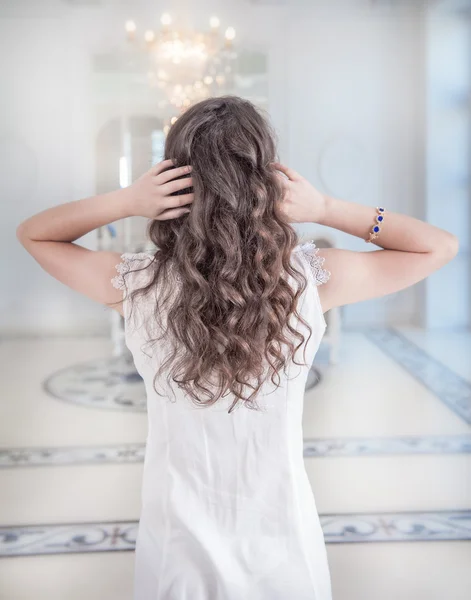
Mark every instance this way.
x=309 y=252
x=130 y=263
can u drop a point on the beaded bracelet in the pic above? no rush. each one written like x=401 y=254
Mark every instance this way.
x=375 y=231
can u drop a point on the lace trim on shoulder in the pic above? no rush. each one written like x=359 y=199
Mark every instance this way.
x=129 y=262
x=310 y=253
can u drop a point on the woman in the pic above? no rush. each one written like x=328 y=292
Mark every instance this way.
x=216 y=317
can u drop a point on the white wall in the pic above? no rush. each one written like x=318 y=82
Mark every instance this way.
x=44 y=162
x=448 y=298
x=356 y=125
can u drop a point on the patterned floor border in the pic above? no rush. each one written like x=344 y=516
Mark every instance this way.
x=381 y=446
x=338 y=529
x=320 y=447
x=449 y=387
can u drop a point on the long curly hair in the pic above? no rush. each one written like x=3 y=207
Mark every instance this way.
x=228 y=258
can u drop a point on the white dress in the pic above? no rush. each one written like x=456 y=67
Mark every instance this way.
x=227 y=509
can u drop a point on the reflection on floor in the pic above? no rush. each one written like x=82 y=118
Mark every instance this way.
x=108 y=383
x=387 y=448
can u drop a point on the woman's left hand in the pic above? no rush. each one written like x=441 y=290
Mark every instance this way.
x=150 y=195
x=302 y=202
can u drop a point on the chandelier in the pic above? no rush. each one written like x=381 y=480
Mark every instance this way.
x=186 y=65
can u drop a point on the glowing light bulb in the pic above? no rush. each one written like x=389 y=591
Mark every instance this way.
x=208 y=80
x=130 y=26
x=214 y=22
x=166 y=19
x=173 y=120
x=230 y=33
x=149 y=36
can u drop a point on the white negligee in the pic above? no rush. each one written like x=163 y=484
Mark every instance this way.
x=227 y=509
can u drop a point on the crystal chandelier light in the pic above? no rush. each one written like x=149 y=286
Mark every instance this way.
x=186 y=65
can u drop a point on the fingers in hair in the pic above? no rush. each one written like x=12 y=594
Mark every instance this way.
x=176 y=201
x=177 y=185
x=171 y=174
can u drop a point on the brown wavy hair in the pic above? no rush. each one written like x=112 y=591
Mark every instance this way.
x=230 y=320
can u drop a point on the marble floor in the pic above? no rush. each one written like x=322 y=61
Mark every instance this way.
x=387 y=451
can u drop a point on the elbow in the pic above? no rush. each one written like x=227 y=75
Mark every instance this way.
x=449 y=247
x=21 y=234
x=453 y=245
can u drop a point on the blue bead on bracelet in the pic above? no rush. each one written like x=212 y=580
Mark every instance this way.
x=376 y=229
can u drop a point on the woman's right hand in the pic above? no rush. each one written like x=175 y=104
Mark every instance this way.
x=151 y=195
x=302 y=202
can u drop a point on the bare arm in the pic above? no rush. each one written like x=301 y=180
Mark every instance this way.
x=412 y=249
x=50 y=235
